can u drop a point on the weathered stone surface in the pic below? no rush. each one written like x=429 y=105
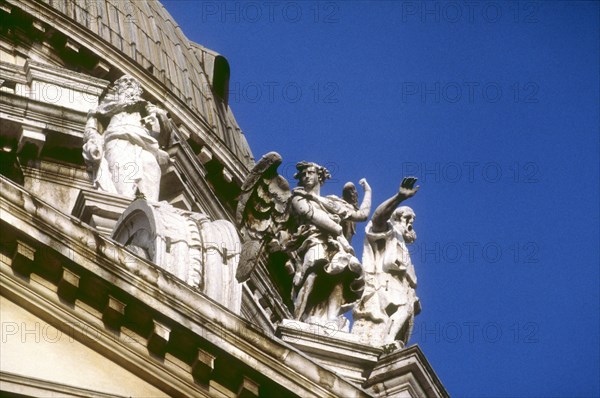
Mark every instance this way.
x=405 y=374
x=159 y=338
x=203 y=366
x=113 y=313
x=189 y=320
x=99 y=209
x=122 y=142
x=306 y=228
x=338 y=350
x=387 y=308
x=31 y=141
x=23 y=258
x=68 y=285
x=127 y=309
x=201 y=252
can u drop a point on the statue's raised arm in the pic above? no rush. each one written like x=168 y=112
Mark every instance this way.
x=384 y=211
x=385 y=312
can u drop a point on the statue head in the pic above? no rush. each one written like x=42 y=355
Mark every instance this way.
x=128 y=87
x=402 y=219
x=310 y=174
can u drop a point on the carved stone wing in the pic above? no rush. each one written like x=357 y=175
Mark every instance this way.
x=262 y=211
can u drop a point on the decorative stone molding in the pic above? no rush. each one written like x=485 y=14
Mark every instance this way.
x=31 y=141
x=405 y=373
x=150 y=295
x=201 y=252
x=99 y=209
x=73 y=90
x=34 y=387
x=339 y=351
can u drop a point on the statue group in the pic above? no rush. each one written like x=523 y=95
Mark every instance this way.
x=308 y=233
x=314 y=232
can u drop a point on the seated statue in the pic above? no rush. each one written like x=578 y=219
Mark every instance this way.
x=385 y=313
x=122 y=142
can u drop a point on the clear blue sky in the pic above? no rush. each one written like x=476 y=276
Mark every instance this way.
x=494 y=106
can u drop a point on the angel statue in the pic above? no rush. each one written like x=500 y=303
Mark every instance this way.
x=313 y=233
x=385 y=313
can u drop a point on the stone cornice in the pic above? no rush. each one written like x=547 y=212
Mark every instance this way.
x=37 y=387
x=405 y=370
x=64 y=78
x=48 y=116
x=170 y=297
x=79 y=325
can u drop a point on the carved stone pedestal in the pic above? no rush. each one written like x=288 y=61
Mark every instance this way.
x=100 y=210
x=404 y=373
x=337 y=350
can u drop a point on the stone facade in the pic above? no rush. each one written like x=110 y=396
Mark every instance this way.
x=112 y=293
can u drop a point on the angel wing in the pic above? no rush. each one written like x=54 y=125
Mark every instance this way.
x=350 y=195
x=262 y=211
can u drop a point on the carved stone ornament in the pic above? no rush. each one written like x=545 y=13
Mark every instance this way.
x=386 y=310
x=323 y=275
x=306 y=238
x=122 y=142
x=201 y=252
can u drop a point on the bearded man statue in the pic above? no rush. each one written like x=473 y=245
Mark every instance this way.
x=122 y=141
x=386 y=310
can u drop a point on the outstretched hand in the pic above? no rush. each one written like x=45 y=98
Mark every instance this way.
x=407 y=188
x=363 y=183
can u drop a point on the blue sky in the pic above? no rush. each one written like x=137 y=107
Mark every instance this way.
x=494 y=106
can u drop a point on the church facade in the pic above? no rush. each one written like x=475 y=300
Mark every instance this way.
x=118 y=251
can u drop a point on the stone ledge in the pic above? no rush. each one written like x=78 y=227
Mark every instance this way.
x=13 y=383
x=272 y=359
x=340 y=351
x=405 y=373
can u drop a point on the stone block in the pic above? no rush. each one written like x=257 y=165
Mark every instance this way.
x=113 y=313
x=23 y=258
x=68 y=285
x=333 y=348
x=159 y=338
x=203 y=367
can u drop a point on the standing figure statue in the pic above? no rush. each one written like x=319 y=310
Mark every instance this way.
x=122 y=141
x=321 y=247
x=322 y=275
x=385 y=313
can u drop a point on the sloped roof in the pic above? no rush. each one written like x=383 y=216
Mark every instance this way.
x=147 y=34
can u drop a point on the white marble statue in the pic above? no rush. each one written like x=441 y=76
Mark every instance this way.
x=386 y=310
x=201 y=252
x=326 y=276
x=122 y=141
